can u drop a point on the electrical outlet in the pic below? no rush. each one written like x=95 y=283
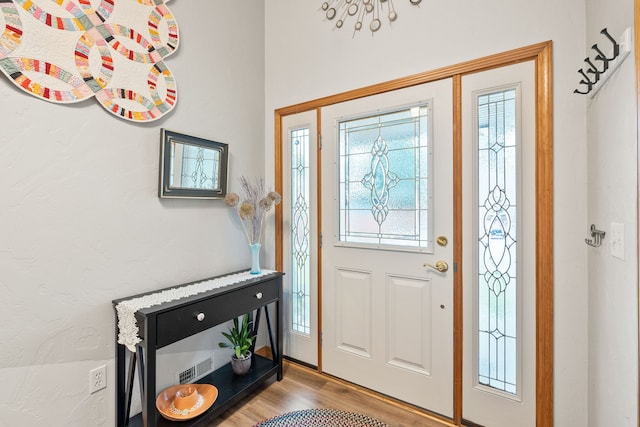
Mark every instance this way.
x=98 y=379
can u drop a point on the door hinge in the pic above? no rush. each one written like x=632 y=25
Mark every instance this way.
x=455 y=267
x=320 y=239
x=320 y=141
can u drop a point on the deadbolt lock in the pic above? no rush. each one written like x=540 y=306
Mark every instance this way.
x=442 y=241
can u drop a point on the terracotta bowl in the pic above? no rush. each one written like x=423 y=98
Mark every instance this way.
x=185 y=397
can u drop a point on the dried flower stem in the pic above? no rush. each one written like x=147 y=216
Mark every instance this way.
x=253 y=209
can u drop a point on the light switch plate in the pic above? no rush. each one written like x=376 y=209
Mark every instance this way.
x=617 y=240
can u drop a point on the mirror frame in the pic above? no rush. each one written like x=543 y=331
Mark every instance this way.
x=166 y=191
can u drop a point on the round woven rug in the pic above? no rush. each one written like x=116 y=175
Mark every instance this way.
x=321 y=417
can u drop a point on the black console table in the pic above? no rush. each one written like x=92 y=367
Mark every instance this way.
x=169 y=322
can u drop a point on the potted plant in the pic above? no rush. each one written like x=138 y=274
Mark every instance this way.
x=240 y=339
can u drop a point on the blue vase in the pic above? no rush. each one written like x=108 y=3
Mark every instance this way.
x=255 y=258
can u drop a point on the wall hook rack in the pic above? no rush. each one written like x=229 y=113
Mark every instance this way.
x=598 y=70
x=596 y=237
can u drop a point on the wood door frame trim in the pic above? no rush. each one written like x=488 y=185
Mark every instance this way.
x=541 y=54
x=458 y=296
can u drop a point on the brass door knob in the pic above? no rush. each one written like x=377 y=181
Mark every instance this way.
x=441 y=266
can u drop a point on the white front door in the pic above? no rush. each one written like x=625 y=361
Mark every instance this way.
x=300 y=237
x=499 y=232
x=387 y=316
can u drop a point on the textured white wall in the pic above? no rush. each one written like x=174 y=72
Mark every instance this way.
x=307 y=59
x=612 y=166
x=81 y=223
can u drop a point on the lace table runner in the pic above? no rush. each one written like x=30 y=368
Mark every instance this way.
x=128 y=326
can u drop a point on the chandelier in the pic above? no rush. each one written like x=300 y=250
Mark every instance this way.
x=361 y=10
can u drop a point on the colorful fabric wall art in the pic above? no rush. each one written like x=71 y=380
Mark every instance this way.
x=66 y=51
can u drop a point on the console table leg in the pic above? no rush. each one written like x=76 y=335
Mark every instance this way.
x=279 y=334
x=141 y=371
x=274 y=350
x=256 y=326
x=129 y=392
x=121 y=410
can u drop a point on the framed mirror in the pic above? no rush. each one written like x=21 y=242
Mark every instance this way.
x=192 y=167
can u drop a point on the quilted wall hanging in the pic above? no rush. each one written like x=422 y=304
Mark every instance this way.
x=66 y=51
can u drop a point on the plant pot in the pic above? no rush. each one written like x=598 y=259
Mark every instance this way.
x=241 y=366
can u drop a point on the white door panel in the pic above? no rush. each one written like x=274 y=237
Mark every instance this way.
x=353 y=311
x=409 y=315
x=388 y=318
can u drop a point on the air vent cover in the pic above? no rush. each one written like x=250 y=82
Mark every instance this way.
x=195 y=372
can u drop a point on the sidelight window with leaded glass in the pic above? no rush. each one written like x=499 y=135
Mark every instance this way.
x=384 y=179
x=497 y=245
x=300 y=232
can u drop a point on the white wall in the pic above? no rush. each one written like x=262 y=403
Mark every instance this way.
x=307 y=59
x=81 y=223
x=612 y=167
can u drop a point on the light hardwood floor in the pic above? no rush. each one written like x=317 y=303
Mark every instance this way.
x=303 y=388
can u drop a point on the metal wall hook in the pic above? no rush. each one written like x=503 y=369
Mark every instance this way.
x=595 y=74
x=596 y=237
x=616 y=46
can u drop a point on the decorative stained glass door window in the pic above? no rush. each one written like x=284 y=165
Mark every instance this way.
x=497 y=248
x=384 y=184
x=300 y=230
